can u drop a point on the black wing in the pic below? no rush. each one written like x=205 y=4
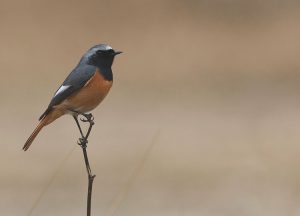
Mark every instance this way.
x=75 y=81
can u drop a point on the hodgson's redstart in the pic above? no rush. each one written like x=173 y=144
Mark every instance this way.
x=83 y=90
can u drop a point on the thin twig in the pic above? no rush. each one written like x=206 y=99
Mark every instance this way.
x=83 y=143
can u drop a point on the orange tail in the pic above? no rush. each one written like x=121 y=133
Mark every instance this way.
x=47 y=118
x=34 y=134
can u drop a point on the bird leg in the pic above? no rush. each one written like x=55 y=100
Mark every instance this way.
x=88 y=117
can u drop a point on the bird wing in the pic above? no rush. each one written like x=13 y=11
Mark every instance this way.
x=75 y=81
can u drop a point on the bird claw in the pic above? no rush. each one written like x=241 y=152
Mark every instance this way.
x=87 y=118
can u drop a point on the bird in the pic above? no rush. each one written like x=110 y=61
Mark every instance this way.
x=83 y=89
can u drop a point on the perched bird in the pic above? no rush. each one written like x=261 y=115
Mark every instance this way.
x=84 y=88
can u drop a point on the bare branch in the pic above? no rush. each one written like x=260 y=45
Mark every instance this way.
x=83 y=143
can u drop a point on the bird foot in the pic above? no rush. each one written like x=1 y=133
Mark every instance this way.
x=88 y=118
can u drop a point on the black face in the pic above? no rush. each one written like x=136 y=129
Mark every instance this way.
x=103 y=58
x=105 y=53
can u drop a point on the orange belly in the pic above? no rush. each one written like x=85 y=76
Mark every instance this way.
x=89 y=96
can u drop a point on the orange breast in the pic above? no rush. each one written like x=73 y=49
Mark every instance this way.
x=89 y=96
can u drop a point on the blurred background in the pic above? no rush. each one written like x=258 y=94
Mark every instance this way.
x=203 y=117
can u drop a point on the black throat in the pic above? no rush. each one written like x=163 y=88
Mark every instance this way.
x=106 y=72
x=104 y=66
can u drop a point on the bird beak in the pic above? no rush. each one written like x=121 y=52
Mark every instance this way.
x=117 y=53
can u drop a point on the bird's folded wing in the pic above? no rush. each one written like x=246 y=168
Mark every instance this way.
x=75 y=81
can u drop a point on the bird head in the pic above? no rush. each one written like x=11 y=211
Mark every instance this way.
x=101 y=55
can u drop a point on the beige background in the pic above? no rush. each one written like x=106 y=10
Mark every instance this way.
x=203 y=117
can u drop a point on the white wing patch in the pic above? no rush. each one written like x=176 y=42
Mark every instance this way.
x=61 y=89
